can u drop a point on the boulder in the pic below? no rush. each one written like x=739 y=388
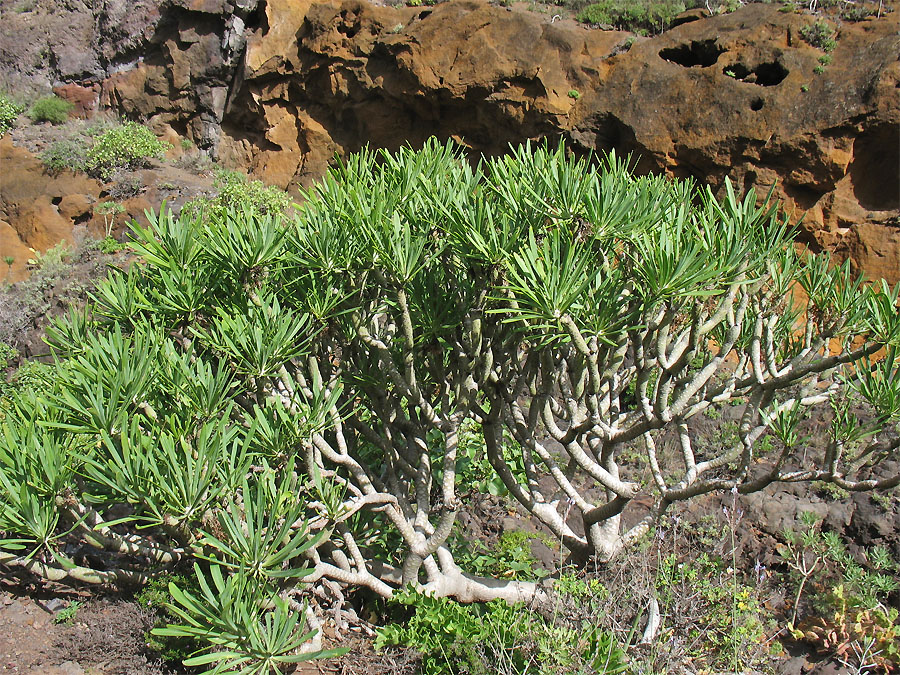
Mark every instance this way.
x=39 y=210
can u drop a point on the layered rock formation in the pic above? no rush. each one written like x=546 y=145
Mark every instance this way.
x=280 y=86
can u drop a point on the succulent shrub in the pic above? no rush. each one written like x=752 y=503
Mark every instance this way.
x=9 y=111
x=50 y=109
x=291 y=400
x=125 y=146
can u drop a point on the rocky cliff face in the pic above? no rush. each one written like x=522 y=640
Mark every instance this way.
x=280 y=86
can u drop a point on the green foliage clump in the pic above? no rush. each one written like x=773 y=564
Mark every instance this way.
x=246 y=627
x=50 y=109
x=850 y=595
x=9 y=111
x=511 y=558
x=66 y=153
x=820 y=35
x=7 y=353
x=724 y=612
x=234 y=190
x=498 y=637
x=641 y=17
x=122 y=147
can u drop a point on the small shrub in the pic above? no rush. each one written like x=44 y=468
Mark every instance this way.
x=109 y=245
x=7 y=353
x=155 y=597
x=818 y=70
x=820 y=35
x=53 y=261
x=9 y=111
x=574 y=94
x=235 y=190
x=857 y=12
x=123 y=147
x=511 y=558
x=497 y=637
x=640 y=17
x=68 y=153
x=825 y=59
x=109 y=210
x=126 y=187
x=67 y=614
x=848 y=603
x=50 y=109
x=724 y=612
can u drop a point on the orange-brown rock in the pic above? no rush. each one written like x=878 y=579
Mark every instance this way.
x=735 y=95
x=280 y=86
x=39 y=210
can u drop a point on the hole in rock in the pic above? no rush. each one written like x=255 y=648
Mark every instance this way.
x=765 y=74
x=770 y=74
x=258 y=18
x=756 y=104
x=700 y=53
x=875 y=169
x=56 y=201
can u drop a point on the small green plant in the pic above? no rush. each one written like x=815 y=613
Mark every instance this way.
x=825 y=59
x=186 y=144
x=108 y=245
x=9 y=111
x=820 y=35
x=123 y=147
x=643 y=17
x=67 y=614
x=511 y=558
x=804 y=88
x=730 y=73
x=818 y=70
x=478 y=639
x=725 y=612
x=9 y=260
x=156 y=598
x=848 y=606
x=67 y=153
x=50 y=109
x=574 y=94
x=246 y=627
x=109 y=210
x=53 y=260
x=236 y=190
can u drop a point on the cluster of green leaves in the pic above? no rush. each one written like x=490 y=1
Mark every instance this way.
x=850 y=593
x=645 y=16
x=9 y=111
x=71 y=151
x=250 y=629
x=498 y=637
x=155 y=597
x=235 y=191
x=820 y=35
x=510 y=558
x=51 y=109
x=725 y=612
x=474 y=471
x=122 y=147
